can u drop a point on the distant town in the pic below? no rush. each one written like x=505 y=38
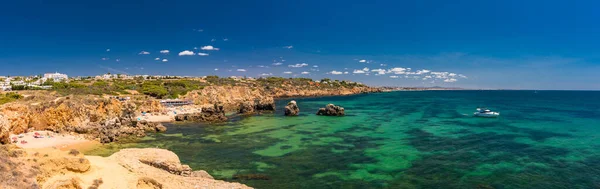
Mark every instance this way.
x=44 y=82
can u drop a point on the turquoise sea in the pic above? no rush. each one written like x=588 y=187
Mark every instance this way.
x=417 y=139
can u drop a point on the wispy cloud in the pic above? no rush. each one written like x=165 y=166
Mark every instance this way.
x=202 y=54
x=305 y=73
x=165 y=60
x=144 y=52
x=287 y=72
x=298 y=65
x=288 y=47
x=277 y=64
x=241 y=70
x=164 y=51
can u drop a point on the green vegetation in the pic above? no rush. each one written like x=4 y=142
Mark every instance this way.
x=9 y=97
x=175 y=88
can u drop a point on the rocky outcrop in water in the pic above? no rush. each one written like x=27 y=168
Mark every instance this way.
x=292 y=109
x=210 y=114
x=258 y=105
x=331 y=110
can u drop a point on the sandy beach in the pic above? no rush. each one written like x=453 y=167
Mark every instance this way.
x=169 y=114
x=48 y=139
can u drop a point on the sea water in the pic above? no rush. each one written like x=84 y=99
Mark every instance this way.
x=416 y=139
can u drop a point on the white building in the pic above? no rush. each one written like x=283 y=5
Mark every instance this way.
x=56 y=76
x=5 y=87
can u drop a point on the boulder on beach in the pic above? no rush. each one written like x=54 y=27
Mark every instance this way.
x=331 y=110
x=292 y=109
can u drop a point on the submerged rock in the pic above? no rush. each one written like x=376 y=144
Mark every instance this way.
x=331 y=110
x=292 y=109
x=210 y=114
x=251 y=177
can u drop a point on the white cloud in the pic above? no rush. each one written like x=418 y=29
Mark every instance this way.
x=358 y=72
x=384 y=65
x=379 y=71
x=164 y=51
x=335 y=72
x=362 y=61
x=202 y=54
x=266 y=74
x=397 y=70
x=419 y=72
x=186 y=53
x=157 y=59
x=105 y=58
x=298 y=65
x=241 y=70
x=287 y=72
x=144 y=52
x=165 y=60
x=118 y=60
x=345 y=72
x=461 y=75
x=305 y=73
x=365 y=69
x=277 y=64
x=315 y=66
x=393 y=76
x=288 y=47
x=209 y=48
x=450 y=80
x=107 y=50
x=216 y=69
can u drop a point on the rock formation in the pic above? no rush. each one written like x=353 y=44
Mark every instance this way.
x=209 y=114
x=292 y=109
x=128 y=168
x=246 y=108
x=4 y=130
x=331 y=110
x=258 y=105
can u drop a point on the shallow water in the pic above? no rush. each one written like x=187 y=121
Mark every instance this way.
x=428 y=139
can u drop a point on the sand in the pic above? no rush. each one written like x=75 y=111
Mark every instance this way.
x=170 y=114
x=51 y=140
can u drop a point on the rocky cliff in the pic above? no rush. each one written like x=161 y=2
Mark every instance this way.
x=102 y=119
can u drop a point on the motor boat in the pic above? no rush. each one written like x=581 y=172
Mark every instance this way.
x=483 y=112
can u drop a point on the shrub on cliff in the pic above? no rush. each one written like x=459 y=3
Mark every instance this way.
x=9 y=97
x=154 y=90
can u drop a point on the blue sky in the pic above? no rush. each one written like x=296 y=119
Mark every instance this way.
x=472 y=44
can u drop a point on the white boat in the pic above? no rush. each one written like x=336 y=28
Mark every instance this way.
x=482 y=112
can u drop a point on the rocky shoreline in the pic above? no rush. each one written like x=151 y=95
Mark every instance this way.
x=107 y=120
